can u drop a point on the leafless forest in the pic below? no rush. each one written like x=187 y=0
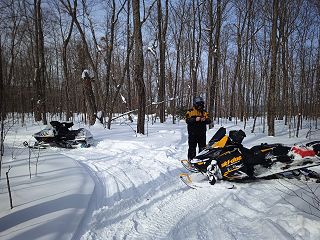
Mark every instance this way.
x=247 y=58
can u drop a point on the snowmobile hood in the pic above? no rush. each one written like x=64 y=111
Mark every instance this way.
x=47 y=132
x=206 y=155
x=221 y=143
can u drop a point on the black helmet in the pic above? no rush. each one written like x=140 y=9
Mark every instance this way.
x=237 y=136
x=198 y=102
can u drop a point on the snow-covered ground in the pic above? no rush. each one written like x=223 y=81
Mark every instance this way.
x=127 y=187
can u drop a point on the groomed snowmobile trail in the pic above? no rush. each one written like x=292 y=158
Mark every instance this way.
x=139 y=196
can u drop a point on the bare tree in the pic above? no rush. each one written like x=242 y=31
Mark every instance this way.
x=109 y=38
x=236 y=95
x=39 y=74
x=162 y=32
x=273 y=72
x=122 y=80
x=139 y=65
x=210 y=79
x=92 y=97
x=178 y=31
x=214 y=50
x=66 y=41
x=2 y=116
x=43 y=52
x=195 y=44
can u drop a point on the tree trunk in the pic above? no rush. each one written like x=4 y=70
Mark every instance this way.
x=129 y=100
x=139 y=66
x=2 y=116
x=108 y=58
x=39 y=65
x=210 y=79
x=90 y=101
x=216 y=54
x=162 y=31
x=65 y=70
x=273 y=72
x=195 y=47
x=92 y=98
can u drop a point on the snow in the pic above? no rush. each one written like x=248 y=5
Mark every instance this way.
x=151 y=49
x=126 y=186
x=86 y=74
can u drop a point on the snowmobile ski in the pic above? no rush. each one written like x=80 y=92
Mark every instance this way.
x=37 y=145
x=186 y=179
x=200 y=181
x=187 y=165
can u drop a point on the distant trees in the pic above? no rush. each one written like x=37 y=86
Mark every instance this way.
x=245 y=57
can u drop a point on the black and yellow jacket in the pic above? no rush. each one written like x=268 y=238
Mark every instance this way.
x=195 y=127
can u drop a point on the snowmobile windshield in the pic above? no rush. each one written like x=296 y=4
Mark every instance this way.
x=58 y=125
x=217 y=136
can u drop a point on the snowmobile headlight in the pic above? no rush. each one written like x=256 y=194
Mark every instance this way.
x=206 y=159
x=81 y=134
x=196 y=160
x=214 y=162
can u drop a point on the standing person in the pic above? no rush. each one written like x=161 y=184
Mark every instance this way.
x=197 y=118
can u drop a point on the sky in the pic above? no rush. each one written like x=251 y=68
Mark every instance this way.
x=127 y=186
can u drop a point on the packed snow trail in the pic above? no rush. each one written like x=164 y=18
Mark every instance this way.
x=139 y=195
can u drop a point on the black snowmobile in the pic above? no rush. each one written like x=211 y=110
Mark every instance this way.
x=225 y=158
x=59 y=135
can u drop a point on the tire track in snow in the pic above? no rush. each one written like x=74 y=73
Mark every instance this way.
x=163 y=217
x=134 y=197
x=153 y=194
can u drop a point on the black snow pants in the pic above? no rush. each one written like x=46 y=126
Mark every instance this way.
x=195 y=139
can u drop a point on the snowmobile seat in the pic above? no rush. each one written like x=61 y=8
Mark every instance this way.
x=58 y=125
x=55 y=124
x=316 y=146
x=303 y=152
x=62 y=128
x=266 y=151
x=237 y=136
x=67 y=124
